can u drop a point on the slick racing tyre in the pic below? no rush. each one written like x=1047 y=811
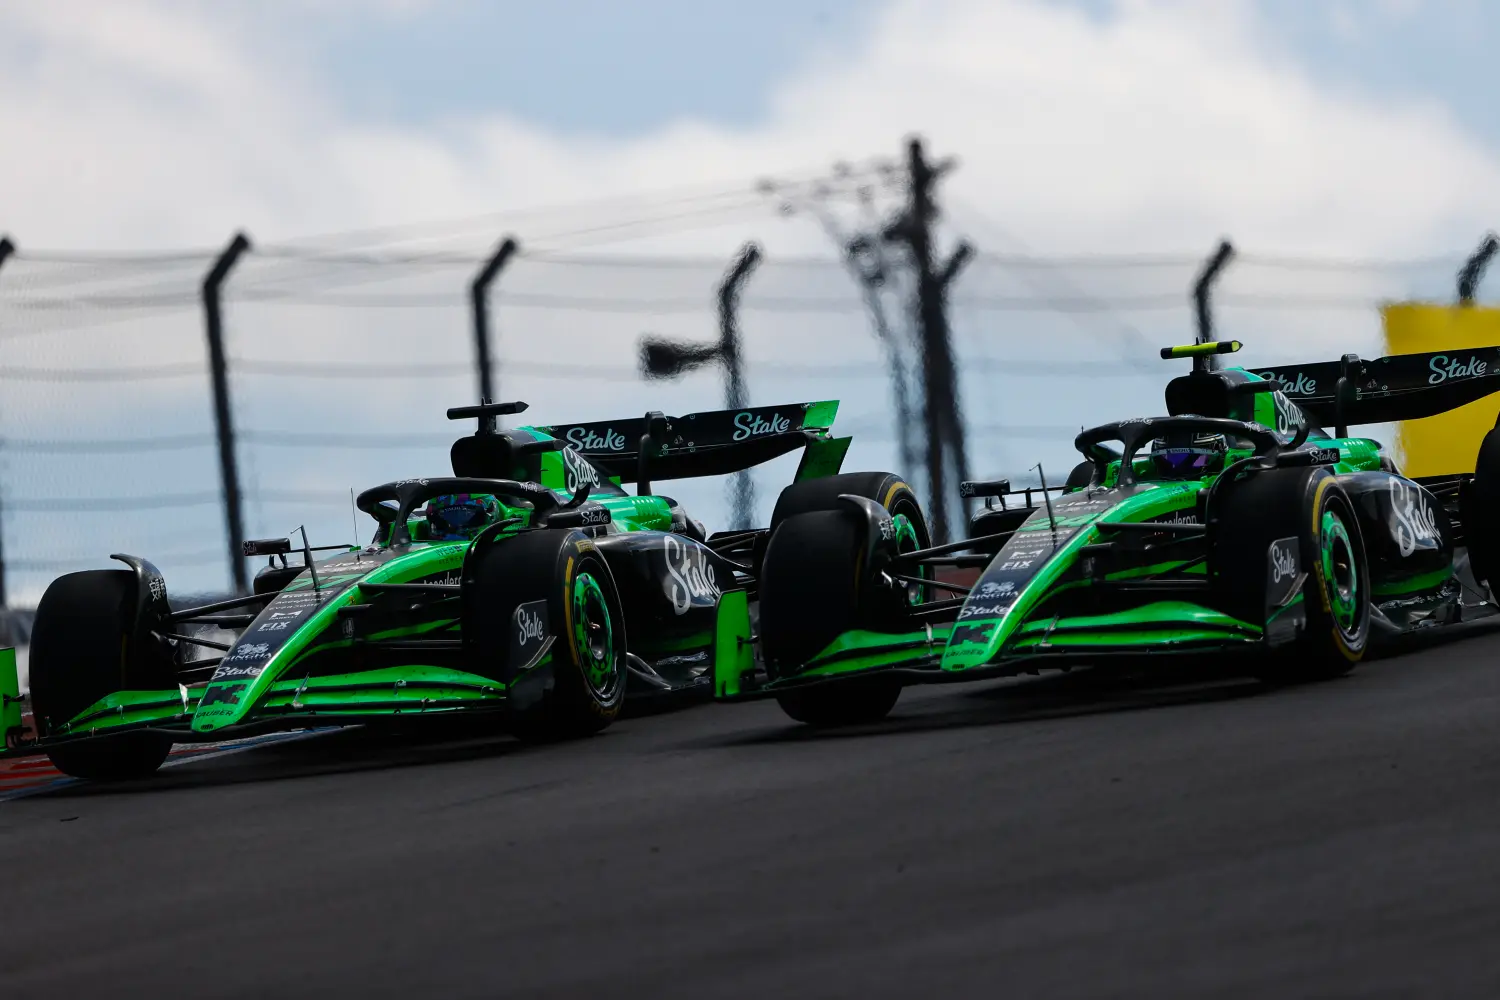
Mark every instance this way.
x=812 y=589
x=1309 y=505
x=1480 y=511
x=83 y=647
x=550 y=585
x=885 y=488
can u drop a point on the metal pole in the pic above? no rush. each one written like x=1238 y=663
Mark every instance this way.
x=1473 y=269
x=1201 y=289
x=218 y=368
x=479 y=298
x=6 y=249
x=742 y=486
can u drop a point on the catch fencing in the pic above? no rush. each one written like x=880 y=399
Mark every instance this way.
x=339 y=367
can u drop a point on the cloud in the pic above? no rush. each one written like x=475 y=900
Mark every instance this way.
x=1155 y=126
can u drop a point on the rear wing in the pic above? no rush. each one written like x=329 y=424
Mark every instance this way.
x=1387 y=390
x=713 y=443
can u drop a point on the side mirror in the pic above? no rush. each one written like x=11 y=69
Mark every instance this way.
x=267 y=547
x=984 y=488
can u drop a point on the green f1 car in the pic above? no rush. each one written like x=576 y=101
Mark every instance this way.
x=1234 y=524
x=529 y=587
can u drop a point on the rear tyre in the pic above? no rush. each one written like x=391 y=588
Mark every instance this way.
x=83 y=648
x=1309 y=505
x=587 y=623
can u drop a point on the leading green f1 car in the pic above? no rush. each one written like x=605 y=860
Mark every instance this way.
x=1235 y=524
x=529 y=588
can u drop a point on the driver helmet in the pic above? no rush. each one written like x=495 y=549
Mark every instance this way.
x=1188 y=455
x=460 y=516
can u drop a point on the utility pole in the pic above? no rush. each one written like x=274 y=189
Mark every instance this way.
x=479 y=291
x=913 y=230
x=6 y=249
x=218 y=367
x=668 y=359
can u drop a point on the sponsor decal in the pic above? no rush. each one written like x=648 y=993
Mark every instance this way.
x=230 y=672
x=1302 y=386
x=685 y=658
x=887 y=529
x=222 y=694
x=577 y=471
x=1288 y=413
x=748 y=425
x=1325 y=456
x=970 y=634
x=1177 y=517
x=990 y=588
x=409 y=482
x=982 y=611
x=1013 y=563
x=157 y=586
x=594 y=515
x=346 y=566
x=1415 y=522
x=1283 y=558
x=690 y=576
x=529 y=624
x=249 y=651
x=966 y=489
x=532 y=487
x=1443 y=368
x=586 y=440
x=274 y=627
x=530 y=634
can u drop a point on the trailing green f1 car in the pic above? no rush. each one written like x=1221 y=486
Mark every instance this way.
x=529 y=585
x=1234 y=524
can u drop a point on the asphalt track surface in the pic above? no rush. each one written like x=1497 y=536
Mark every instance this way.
x=1068 y=836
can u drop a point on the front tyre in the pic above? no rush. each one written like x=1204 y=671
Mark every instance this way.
x=1307 y=504
x=578 y=688
x=84 y=647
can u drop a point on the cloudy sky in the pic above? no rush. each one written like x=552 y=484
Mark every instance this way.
x=1336 y=130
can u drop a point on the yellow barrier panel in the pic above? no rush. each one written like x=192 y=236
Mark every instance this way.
x=1447 y=443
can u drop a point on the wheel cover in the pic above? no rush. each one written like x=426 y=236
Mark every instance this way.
x=1340 y=573
x=594 y=635
x=907 y=541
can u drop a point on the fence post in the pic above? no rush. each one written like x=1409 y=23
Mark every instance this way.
x=479 y=291
x=666 y=359
x=1201 y=289
x=742 y=486
x=218 y=367
x=6 y=249
x=1473 y=269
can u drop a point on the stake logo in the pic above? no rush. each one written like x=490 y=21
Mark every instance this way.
x=529 y=625
x=578 y=470
x=748 y=425
x=1415 y=522
x=1443 y=369
x=594 y=515
x=690 y=576
x=1302 y=386
x=1283 y=560
x=586 y=440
